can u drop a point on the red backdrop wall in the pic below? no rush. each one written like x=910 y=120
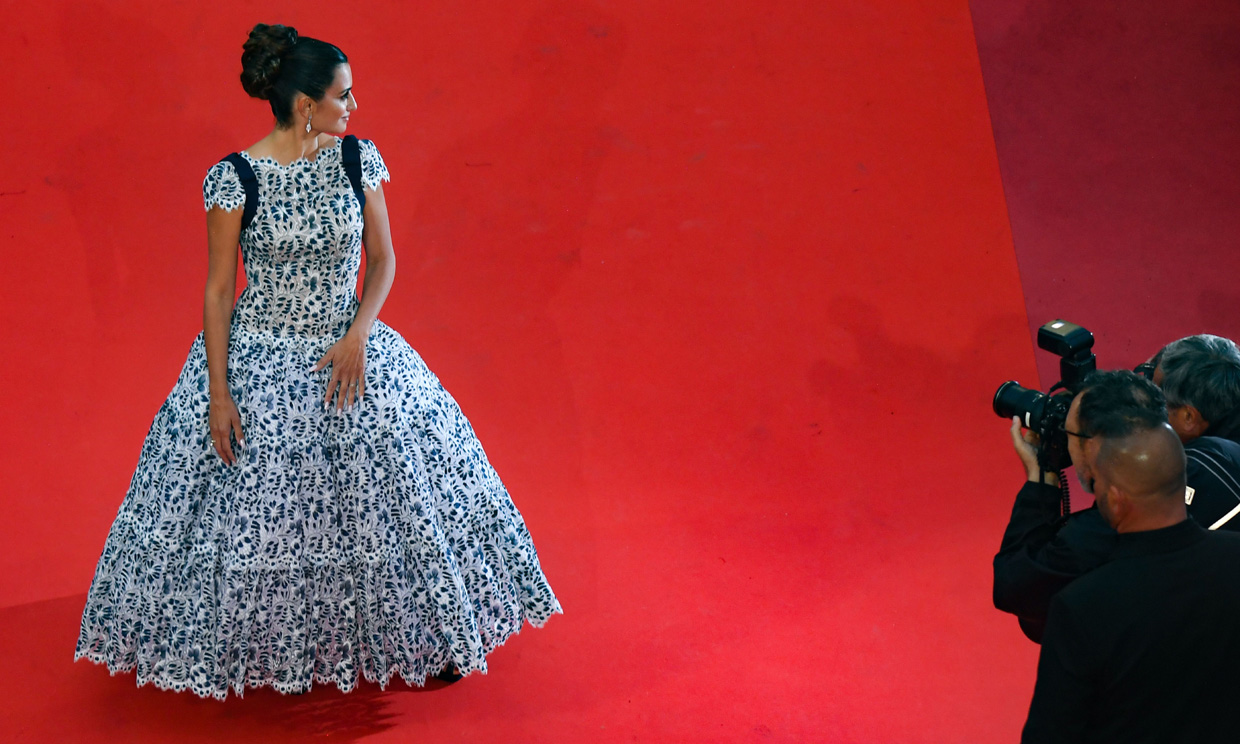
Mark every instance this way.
x=1115 y=127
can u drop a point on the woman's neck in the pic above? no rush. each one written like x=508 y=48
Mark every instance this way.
x=288 y=145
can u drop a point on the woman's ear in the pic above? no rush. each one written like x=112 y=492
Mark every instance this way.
x=303 y=105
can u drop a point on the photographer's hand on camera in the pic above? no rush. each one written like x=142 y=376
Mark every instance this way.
x=1026 y=444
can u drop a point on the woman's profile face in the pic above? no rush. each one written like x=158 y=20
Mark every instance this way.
x=331 y=112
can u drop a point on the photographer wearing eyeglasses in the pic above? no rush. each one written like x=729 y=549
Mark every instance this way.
x=1042 y=552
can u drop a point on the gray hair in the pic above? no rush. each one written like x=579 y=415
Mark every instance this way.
x=1203 y=371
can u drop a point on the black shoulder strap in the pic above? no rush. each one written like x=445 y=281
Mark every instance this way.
x=351 y=156
x=249 y=183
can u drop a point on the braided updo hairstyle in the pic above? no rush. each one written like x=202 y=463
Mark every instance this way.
x=277 y=64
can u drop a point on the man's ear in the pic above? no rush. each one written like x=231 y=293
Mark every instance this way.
x=1193 y=421
x=1119 y=503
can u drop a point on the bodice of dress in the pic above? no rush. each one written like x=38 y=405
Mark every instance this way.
x=302 y=250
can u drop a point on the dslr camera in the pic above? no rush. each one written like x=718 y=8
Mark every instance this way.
x=1045 y=413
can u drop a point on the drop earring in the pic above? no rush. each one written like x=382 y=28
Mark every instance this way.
x=308 y=123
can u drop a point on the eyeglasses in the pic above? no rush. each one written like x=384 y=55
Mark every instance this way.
x=1076 y=434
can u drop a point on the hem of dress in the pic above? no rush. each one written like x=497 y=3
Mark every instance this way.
x=345 y=686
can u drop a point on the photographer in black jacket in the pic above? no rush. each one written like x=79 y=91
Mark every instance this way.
x=1043 y=552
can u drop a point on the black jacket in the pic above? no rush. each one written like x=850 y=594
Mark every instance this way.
x=1214 y=475
x=1144 y=648
x=1042 y=552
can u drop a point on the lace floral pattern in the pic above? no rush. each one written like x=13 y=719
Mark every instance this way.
x=374 y=542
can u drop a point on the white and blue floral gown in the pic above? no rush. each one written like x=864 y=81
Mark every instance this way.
x=378 y=541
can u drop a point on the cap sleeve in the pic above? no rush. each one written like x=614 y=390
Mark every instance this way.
x=222 y=188
x=373 y=169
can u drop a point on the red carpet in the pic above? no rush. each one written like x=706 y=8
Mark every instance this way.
x=724 y=288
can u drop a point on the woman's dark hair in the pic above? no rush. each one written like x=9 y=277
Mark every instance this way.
x=277 y=64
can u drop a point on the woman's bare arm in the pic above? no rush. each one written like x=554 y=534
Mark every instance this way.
x=223 y=232
x=348 y=355
x=380 y=261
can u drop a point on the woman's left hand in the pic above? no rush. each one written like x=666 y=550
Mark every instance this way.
x=348 y=360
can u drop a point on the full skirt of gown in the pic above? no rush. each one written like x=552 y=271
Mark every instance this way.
x=373 y=542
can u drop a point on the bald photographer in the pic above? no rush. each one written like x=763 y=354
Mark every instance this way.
x=1140 y=649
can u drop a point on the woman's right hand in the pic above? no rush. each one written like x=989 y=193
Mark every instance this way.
x=224 y=420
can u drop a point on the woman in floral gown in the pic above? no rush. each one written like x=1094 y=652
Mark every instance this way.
x=309 y=504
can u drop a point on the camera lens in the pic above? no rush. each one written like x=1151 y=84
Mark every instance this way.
x=1013 y=400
